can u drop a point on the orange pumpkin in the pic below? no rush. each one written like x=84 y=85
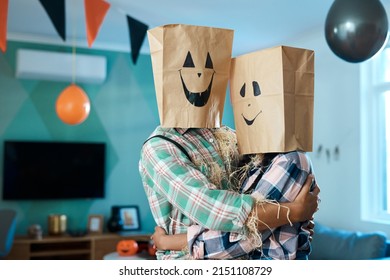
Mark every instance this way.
x=127 y=247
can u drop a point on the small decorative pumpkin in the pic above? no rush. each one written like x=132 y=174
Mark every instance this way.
x=127 y=247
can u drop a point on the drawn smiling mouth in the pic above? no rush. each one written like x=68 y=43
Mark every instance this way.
x=198 y=99
x=250 y=122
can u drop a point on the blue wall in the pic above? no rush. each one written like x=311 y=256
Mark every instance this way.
x=337 y=120
x=123 y=114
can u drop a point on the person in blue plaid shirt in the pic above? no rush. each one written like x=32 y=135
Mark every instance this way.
x=279 y=178
x=275 y=177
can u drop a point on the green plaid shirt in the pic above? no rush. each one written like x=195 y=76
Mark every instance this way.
x=180 y=193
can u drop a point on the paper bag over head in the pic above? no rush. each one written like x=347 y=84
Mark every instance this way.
x=191 y=66
x=272 y=93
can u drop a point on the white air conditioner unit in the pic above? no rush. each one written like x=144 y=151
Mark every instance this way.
x=57 y=66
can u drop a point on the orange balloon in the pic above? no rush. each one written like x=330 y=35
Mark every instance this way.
x=73 y=105
x=127 y=247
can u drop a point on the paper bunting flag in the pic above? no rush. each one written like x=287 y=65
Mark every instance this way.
x=137 y=32
x=95 y=11
x=3 y=24
x=56 y=13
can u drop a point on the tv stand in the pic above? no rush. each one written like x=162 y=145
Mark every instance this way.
x=88 y=247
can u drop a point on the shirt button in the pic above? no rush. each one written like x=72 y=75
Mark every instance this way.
x=211 y=140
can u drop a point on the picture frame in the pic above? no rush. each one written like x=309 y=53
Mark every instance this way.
x=95 y=224
x=129 y=216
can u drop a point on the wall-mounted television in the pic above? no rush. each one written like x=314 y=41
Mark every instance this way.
x=35 y=170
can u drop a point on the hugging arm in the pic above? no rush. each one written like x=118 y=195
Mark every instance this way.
x=209 y=244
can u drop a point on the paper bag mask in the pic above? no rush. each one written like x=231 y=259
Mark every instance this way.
x=272 y=94
x=191 y=67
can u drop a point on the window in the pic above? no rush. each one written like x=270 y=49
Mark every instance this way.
x=375 y=138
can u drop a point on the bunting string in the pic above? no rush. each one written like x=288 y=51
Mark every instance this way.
x=95 y=13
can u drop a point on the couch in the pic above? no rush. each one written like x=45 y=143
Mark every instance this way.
x=339 y=244
x=7 y=230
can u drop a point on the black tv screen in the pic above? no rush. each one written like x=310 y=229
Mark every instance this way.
x=53 y=170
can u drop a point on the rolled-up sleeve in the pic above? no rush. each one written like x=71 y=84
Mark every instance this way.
x=210 y=244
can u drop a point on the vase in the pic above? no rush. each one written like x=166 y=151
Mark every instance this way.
x=115 y=222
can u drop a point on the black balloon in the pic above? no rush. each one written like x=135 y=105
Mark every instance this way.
x=356 y=30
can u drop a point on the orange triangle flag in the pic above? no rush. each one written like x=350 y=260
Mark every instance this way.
x=95 y=11
x=3 y=24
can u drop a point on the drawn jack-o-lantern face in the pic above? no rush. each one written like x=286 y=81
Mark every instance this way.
x=197 y=81
x=252 y=109
x=191 y=67
x=127 y=247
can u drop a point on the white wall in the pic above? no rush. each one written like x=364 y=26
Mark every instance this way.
x=337 y=124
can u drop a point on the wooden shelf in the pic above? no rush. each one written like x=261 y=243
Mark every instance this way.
x=90 y=247
x=59 y=253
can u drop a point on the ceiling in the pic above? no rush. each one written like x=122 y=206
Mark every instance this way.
x=257 y=23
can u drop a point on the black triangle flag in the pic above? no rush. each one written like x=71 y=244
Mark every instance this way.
x=137 y=31
x=56 y=12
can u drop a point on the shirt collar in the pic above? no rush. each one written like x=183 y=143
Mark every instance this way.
x=182 y=131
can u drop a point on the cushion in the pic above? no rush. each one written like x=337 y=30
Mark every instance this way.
x=337 y=244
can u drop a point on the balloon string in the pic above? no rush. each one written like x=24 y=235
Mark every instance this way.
x=74 y=43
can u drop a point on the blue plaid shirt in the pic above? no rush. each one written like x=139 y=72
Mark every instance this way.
x=281 y=182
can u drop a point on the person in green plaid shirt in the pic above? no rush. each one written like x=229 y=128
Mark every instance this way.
x=196 y=188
